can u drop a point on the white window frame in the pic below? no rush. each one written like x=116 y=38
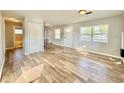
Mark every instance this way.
x=57 y=34
x=92 y=35
x=105 y=40
x=86 y=34
x=19 y=32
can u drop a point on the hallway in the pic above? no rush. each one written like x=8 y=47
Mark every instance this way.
x=62 y=65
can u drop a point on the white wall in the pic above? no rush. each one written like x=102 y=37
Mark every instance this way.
x=2 y=44
x=34 y=36
x=116 y=26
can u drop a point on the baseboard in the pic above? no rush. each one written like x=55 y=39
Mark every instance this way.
x=105 y=54
x=63 y=45
x=108 y=55
x=34 y=52
x=1 y=69
x=58 y=44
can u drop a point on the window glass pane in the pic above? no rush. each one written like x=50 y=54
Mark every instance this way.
x=85 y=30
x=96 y=30
x=100 y=33
x=100 y=38
x=85 y=37
x=18 y=31
x=104 y=28
x=85 y=33
x=57 y=33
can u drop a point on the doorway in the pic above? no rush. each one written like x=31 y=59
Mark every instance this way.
x=13 y=35
x=68 y=36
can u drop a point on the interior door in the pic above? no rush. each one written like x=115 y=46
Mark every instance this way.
x=68 y=36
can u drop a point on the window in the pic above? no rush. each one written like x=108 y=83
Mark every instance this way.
x=18 y=31
x=100 y=33
x=57 y=33
x=85 y=33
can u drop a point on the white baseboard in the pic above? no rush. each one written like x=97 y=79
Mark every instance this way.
x=34 y=52
x=62 y=45
x=58 y=44
x=1 y=69
x=97 y=53
x=103 y=54
x=107 y=55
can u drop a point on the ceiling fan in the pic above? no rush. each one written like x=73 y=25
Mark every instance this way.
x=82 y=12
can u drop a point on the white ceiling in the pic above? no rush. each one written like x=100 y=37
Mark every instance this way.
x=58 y=17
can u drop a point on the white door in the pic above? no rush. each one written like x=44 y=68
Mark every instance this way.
x=68 y=36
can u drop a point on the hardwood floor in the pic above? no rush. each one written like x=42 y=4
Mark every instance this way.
x=62 y=65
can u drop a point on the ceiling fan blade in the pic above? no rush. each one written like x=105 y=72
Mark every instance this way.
x=88 y=13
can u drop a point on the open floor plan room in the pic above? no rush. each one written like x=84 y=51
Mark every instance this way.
x=66 y=46
x=62 y=64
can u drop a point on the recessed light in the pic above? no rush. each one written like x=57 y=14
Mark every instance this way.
x=13 y=19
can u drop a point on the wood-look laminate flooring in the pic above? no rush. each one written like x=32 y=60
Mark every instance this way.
x=62 y=65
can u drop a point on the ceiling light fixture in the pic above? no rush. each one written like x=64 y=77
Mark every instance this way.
x=14 y=19
x=82 y=12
